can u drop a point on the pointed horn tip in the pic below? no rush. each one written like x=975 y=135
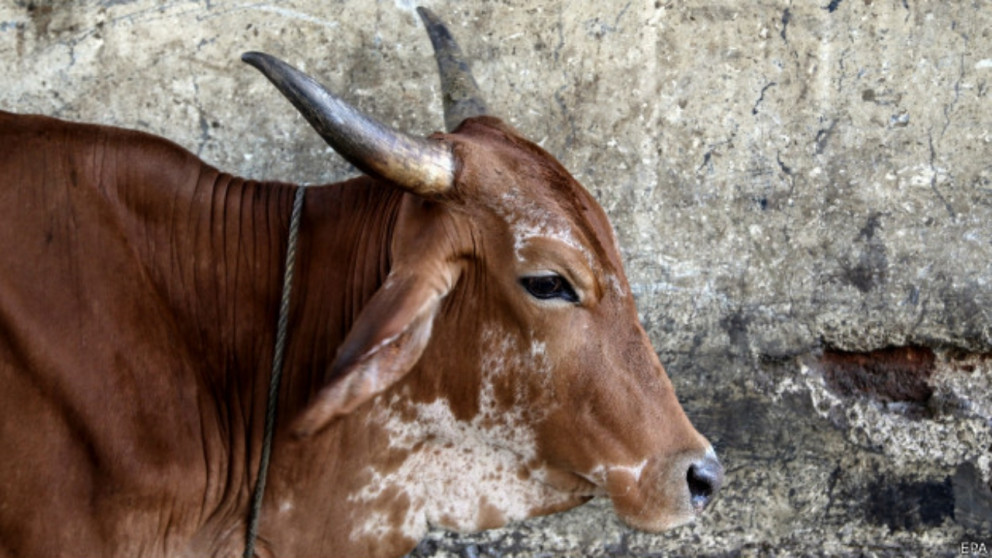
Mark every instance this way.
x=254 y=58
x=262 y=61
x=433 y=23
x=425 y=14
x=279 y=72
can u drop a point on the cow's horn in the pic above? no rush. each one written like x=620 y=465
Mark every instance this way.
x=458 y=88
x=418 y=165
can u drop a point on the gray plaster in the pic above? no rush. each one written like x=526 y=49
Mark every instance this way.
x=782 y=176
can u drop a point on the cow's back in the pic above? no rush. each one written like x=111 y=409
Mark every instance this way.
x=96 y=377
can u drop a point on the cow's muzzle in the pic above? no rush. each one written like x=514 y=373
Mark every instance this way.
x=665 y=491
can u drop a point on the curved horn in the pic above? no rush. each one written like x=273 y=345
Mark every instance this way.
x=418 y=165
x=458 y=87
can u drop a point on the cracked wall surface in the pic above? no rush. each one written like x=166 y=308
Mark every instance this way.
x=786 y=179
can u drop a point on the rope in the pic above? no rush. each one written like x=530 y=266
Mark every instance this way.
x=255 y=511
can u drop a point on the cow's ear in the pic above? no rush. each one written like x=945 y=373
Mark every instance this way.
x=384 y=344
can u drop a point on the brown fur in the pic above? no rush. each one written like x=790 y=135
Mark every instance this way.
x=138 y=297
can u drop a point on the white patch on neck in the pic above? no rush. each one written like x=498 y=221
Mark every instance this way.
x=464 y=464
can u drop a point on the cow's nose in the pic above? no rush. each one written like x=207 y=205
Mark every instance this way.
x=704 y=477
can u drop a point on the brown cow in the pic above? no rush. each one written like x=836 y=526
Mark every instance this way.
x=464 y=347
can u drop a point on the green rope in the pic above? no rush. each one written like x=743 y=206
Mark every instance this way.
x=255 y=511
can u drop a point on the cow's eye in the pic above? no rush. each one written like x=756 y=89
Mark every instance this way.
x=546 y=287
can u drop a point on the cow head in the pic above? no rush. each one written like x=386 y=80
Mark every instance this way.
x=502 y=357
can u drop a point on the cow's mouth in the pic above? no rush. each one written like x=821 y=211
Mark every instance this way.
x=641 y=507
x=573 y=484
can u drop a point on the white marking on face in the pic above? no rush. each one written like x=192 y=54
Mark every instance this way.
x=600 y=473
x=528 y=220
x=471 y=473
x=632 y=470
x=613 y=282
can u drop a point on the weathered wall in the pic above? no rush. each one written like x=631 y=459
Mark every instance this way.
x=789 y=180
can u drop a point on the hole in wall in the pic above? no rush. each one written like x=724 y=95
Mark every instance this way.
x=899 y=377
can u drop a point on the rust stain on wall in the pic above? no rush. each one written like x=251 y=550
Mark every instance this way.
x=890 y=375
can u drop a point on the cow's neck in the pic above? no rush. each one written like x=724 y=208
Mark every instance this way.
x=218 y=261
x=342 y=261
x=223 y=270
x=343 y=258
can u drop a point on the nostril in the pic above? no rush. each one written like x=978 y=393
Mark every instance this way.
x=704 y=477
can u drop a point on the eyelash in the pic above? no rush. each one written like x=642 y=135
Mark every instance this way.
x=548 y=287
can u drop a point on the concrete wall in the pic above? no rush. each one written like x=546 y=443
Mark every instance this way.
x=795 y=185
